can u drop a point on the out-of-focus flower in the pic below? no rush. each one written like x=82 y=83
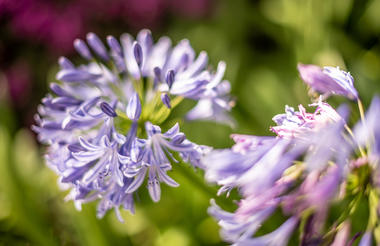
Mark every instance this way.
x=57 y=24
x=314 y=161
x=278 y=237
x=102 y=119
x=19 y=80
x=328 y=80
x=266 y=174
x=53 y=25
x=367 y=132
x=295 y=123
x=191 y=9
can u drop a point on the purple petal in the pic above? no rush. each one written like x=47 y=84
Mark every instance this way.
x=65 y=63
x=157 y=72
x=152 y=129
x=196 y=67
x=136 y=183
x=170 y=77
x=277 y=237
x=344 y=79
x=138 y=53
x=86 y=156
x=65 y=101
x=97 y=45
x=107 y=109
x=154 y=187
x=166 y=100
x=75 y=147
x=172 y=131
x=75 y=75
x=134 y=107
x=114 y=45
x=178 y=139
x=328 y=81
x=163 y=176
x=59 y=91
x=87 y=145
x=82 y=49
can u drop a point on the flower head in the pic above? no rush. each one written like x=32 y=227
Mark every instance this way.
x=103 y=119
x=296 y=123
x=296 y=172
x=315 y=161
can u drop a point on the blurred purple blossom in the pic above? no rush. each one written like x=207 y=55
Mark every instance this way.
x=19 y=80
x=301 y=170
x=329 y=80
x=57 y=24
x=295 y=123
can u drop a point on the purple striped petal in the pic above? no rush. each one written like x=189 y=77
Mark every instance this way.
x=166 y=100
x=154 y=186
x=163 y=176
x=169 y=78
x=136 y=183
x=134 y=107
x=107 y=109
x=75 y=75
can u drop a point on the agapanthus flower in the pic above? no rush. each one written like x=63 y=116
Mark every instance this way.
x=329 y=80
x=102 y=121
x=314 y=161
x=295 y=123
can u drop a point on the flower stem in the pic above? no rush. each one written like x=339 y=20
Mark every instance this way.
x=361 y=110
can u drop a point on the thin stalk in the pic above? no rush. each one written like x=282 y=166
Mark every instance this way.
x=361 y=110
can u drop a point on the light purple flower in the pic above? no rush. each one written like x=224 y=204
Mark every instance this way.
x=235 y=230
x=295 y=172
x=294 y=124
x=328 y=80
x=152 y=157
x=367 y=132
x=102 y=120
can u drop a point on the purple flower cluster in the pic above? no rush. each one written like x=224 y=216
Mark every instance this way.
x=303 y=170
x=102 y=119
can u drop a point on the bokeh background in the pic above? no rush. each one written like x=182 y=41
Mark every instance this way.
x=261 y=40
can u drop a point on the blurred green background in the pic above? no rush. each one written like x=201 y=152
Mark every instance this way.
x=261 y=41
